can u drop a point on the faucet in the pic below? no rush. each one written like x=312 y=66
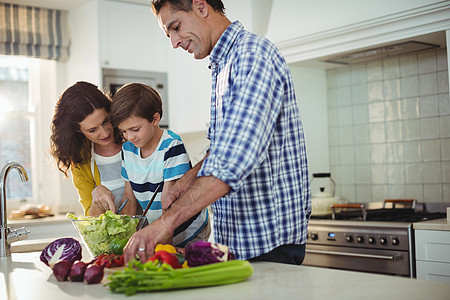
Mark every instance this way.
x=7 y=235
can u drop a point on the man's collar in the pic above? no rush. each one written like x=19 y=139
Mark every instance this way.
x=225 y=42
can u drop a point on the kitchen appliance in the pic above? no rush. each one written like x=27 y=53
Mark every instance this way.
x=372 y=237
x=321 y=202
x=113 y=79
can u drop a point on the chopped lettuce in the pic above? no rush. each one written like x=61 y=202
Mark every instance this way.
x=98 y=232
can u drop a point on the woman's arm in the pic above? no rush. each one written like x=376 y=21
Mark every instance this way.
x=84 y=185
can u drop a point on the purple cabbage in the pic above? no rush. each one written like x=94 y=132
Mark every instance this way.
x=204 y=253
x=68 y=249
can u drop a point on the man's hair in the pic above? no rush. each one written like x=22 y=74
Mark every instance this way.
x=184 y=5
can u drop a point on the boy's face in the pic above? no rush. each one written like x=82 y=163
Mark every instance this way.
x=139 y=131
x=187 y=30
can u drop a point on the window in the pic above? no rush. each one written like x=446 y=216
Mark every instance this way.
x=17 y=123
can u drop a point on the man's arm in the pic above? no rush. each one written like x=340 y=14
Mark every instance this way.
x=204 y=191
x=175 y=191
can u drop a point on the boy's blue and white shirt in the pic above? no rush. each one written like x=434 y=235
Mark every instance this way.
x=169 y=162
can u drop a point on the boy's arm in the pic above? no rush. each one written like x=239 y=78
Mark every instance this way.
x=131 y=207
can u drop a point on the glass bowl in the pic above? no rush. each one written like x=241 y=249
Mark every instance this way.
x=97 y=235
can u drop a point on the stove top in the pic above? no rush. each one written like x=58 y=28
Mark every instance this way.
x=385 y=215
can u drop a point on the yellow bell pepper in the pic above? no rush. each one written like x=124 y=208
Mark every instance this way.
x=165 y=247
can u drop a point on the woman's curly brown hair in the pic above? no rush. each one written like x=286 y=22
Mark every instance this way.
x=68 y=145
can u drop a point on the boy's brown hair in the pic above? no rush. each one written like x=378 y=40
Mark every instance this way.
x=135 y=99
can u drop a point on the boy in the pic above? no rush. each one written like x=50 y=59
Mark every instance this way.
x=152 y=156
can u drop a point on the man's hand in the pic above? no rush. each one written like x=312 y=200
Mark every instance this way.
x=103 y=199
x=143 y=242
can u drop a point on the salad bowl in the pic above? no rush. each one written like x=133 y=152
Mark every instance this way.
x=98 y=233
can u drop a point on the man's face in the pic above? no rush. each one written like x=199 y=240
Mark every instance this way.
x=187 y=30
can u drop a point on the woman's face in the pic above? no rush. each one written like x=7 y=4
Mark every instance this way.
x=97 y=128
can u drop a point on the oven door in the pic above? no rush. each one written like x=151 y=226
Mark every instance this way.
x=358 y=259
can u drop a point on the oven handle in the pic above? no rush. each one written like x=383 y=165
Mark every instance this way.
x=360 y=255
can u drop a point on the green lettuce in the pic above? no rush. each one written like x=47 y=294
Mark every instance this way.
x=98 y=232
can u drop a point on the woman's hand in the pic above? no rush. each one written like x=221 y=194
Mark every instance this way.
x=103 y=199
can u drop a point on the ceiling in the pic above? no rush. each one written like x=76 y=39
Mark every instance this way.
x=62 y=4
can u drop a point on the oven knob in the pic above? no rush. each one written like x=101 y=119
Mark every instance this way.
x=360 y=239
x=382 y=241
x=371 y=240
x=349 y=239
x=314 y=236
x=395 y=241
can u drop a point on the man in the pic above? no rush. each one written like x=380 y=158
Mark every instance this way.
x=255 y=174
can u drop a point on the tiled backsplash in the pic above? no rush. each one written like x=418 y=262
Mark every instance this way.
x=389 y=128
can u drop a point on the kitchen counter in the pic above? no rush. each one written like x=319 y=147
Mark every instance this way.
x=23 y=276
x=439 y=224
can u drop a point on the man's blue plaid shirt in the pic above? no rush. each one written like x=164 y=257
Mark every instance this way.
x=257 y=147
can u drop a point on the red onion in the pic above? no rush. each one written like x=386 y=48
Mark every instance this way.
x=77 y=270
x=61 y=270
x=93 y=274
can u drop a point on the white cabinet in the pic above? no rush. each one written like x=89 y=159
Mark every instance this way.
x=433 y=255
x=126 y=36
x=130 y=38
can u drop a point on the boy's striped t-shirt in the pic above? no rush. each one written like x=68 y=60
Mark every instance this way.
x=169 y=162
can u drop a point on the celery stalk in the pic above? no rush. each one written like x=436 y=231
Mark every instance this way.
x=131 y=281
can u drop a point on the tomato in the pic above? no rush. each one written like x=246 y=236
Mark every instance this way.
x=109 y=260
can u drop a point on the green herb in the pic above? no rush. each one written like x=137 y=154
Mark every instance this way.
x=138 y=277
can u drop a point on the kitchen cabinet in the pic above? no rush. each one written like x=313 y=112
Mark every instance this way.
x=126 y=36
x=130 y=37
x=433 y=254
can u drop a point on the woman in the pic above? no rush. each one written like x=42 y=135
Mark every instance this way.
x=84 y=142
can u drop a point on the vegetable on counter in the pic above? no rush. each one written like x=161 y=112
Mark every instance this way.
x=99 y=232
x=94 y=274
x=203 y=253
x=109 y=260
x=139 y=277
x=162 y=257
x=61 y=270
x=165 y=247
x=77 y=271
x=67 y=249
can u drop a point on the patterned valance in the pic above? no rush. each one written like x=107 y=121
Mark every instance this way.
x=34 y=32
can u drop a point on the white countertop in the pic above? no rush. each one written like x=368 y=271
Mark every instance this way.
x=439 y=224
x=24 y=277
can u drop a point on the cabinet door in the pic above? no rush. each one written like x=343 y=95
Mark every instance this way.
x=433 y=245
x=433 y=271
x=130 y=37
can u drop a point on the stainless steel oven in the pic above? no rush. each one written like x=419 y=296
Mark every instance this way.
x=370 y=240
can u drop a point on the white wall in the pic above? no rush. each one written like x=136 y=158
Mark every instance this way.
x=311 y=91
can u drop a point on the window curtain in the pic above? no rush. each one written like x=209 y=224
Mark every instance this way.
x=34 y=32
